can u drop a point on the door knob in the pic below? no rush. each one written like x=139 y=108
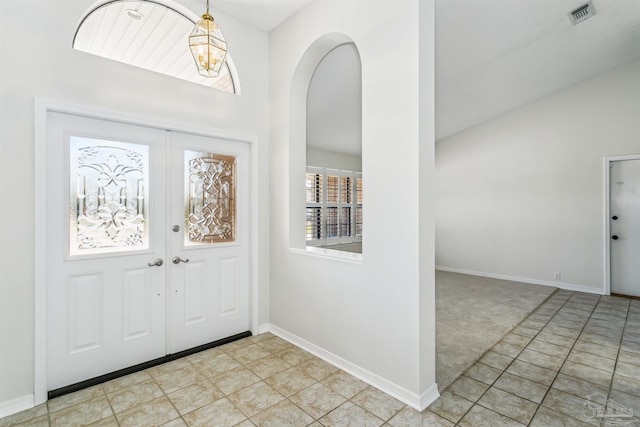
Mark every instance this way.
x=614 y=237
x=175 y=228
x=178 y=260
x=615 y=217
x=157 y=263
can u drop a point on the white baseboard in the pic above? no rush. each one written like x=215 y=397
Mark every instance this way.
x=418 y=402
x=263 y=328
x=428 y=397
x=561 y=285
x=14 y=406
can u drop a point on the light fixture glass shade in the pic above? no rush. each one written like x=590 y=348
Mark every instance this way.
x=208 y=48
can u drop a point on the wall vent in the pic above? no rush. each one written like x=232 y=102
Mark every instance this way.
x=582 y=13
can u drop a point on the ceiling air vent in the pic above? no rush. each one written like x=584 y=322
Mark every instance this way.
x=582 y=13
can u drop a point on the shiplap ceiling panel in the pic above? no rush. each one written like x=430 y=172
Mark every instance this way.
x=171 y=33
x=157 y=42
x=173 y=59
x=117 y=29
x=136 y=42
x=105 y=29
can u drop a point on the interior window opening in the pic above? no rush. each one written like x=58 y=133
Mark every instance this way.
x=334 y=185
x=149 y=34
x=334 y=209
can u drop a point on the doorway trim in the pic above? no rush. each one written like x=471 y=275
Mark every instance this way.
x=44 y=106
x=607 y=215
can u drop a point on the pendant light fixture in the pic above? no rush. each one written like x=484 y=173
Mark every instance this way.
x=207 y=46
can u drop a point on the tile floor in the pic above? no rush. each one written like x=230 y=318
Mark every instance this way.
x=575 y=352
x=573 y=346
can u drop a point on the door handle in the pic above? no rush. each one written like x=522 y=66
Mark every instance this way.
x=614 y=237
x=178 y=260
x=157 y=263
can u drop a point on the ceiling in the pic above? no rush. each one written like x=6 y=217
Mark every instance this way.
x=153 y=37
x=263 y=14
x=496 y=55
x=491 y=55
x=111 y=32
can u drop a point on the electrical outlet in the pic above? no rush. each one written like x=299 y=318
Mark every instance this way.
x=556 y=275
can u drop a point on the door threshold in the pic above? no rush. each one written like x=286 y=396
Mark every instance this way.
x=625 y=296
x=142 y=366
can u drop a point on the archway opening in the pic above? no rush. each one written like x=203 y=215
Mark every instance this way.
x=334 y=186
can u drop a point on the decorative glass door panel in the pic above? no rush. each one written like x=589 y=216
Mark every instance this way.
x=209 y=239
x=106 y=246
x=211 y=200
x=109 y=184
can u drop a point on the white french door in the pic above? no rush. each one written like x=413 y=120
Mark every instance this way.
x=624 y=225
x=147 y=244
x=209 y=280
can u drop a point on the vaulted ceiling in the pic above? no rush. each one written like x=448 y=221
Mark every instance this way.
x=496 y=55
x=262 y=14
x=492 y=56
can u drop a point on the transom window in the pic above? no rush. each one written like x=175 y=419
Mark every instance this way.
x=150 y=35
x=333 y=206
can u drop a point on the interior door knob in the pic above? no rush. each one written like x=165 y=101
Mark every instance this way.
x=178 y=260
x=614 y=237
x=615 y=217
x=157 y=263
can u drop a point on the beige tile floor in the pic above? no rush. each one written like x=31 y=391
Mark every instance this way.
x=540 y=374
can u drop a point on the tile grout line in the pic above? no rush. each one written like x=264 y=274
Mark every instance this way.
x=615 y=366
x=347 y=399
x=153 y=379
x=113 y=411
x=167 y=395
x=226 y=396
x=49 y=414
x=538 y=405
x=514 y=359
x=285 y=398
x=601 y=306
x=566 y=358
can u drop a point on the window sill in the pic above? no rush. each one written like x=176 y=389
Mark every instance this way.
x=352 y=257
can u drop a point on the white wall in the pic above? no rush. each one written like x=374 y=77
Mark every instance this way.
x=60 y=73
x=331 y=159
x=427 y=198
x=523 y=195
x=368 y=313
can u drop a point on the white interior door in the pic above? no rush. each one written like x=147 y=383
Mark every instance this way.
x=624 y=208
x=209 y=242
x=114 y=297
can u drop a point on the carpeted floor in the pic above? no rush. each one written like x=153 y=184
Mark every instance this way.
x=473 y=313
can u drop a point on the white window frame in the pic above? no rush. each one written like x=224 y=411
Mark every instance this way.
x=324 y=205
